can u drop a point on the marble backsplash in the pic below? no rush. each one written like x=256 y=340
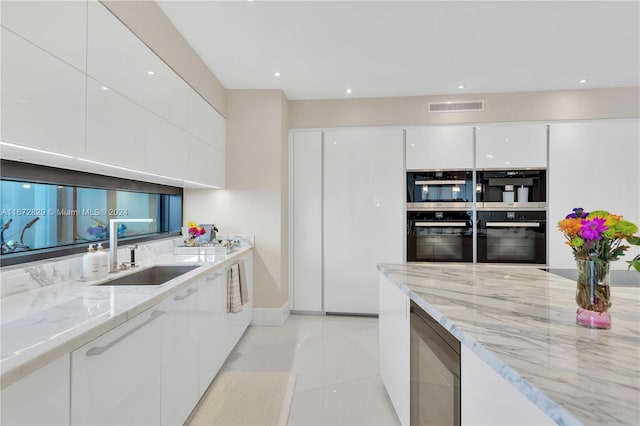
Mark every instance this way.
x=33 y=275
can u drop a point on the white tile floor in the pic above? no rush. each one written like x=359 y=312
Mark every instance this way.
x=336 y=362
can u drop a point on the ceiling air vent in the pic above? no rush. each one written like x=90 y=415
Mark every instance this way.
x=457 y=106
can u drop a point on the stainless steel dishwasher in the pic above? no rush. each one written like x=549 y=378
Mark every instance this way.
x=435 y=372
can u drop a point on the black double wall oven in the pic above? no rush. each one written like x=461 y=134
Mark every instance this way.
x=439 y=216
x=510 y=216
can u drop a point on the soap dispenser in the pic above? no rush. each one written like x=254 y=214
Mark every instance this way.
x=90 y=264
x=103 y=258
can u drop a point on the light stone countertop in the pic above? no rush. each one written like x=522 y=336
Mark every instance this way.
x=521 y=321
x=40 y=325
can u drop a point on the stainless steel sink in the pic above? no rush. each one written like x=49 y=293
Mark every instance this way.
x=155 y=275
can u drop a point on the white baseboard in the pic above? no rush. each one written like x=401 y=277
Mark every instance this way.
x=271 y=316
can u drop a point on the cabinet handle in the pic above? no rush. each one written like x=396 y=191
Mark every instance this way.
x=189 y=293
x=97 y=350
x=215 y=277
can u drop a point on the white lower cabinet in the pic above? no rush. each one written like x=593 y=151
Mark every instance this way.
x=488 y=399
x=394 y=328
x=115 y=379
x=179 y=356
x=41 y=398
x=211 y=310
x=236 y=324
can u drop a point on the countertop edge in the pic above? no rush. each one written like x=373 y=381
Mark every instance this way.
x=557 y=413
x=14 y=373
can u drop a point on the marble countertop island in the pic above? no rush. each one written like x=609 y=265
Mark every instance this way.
x=42 y=324
x=521 y=321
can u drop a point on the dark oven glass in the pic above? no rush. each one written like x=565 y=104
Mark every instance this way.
x=435 y=372
x=512 y=236
x=445 y=236
x=440 y=187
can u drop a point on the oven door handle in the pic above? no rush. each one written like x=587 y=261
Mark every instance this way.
x=440 y=182
x=440 y=224
x=513 y=224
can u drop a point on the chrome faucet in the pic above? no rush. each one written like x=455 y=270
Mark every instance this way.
x=113 y=241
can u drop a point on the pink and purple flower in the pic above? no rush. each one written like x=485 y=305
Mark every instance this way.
x=592 y=229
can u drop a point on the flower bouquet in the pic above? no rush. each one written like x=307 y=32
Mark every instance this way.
x=194 y=232
x=596 y=239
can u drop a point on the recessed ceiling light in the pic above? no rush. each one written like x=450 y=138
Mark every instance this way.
x=348 y=91
x=582 y=81
x=461 y=86
x=276 y=74
x=150 y=72
x=105 y=88
x=489 y=156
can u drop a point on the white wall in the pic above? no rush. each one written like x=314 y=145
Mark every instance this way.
x=255 y=200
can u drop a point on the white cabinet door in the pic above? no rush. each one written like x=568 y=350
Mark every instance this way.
x=166 y=147
x=206 y=163
x=488 y=399
x=236 y=324
x=43 y=99
x=363 y=214
x=439 y=147
x=511 y=145
x=179 y=356
x=41 y=398
x=394 y=340
x=205 y=122
x=211 y=309
x=307 y=221
x=115 y=379
x=118 y=59
x=58 y=27
x=115 y=128
x=593 y=165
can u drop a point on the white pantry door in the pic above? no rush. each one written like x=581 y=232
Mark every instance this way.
x=363 y=214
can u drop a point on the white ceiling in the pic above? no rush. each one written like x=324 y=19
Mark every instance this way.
x=409 y=48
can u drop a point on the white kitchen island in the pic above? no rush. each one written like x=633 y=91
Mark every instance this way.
x=523 y=358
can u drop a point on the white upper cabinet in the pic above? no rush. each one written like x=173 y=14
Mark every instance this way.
x=58 y=27
x=439 y=147
x=43 y=98
x=166 y=147
x=206 y=123
x=511 y=145
x=205 y=163
x=115 y=128
x=119 y=60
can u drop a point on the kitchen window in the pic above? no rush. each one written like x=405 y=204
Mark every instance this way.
x=48 y=212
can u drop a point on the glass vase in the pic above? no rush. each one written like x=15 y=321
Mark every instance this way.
x=593 y=294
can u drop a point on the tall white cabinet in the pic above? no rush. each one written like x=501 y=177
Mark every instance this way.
x=306 y=218
x=593 y=165
x=347 y=216
x=362 y=214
